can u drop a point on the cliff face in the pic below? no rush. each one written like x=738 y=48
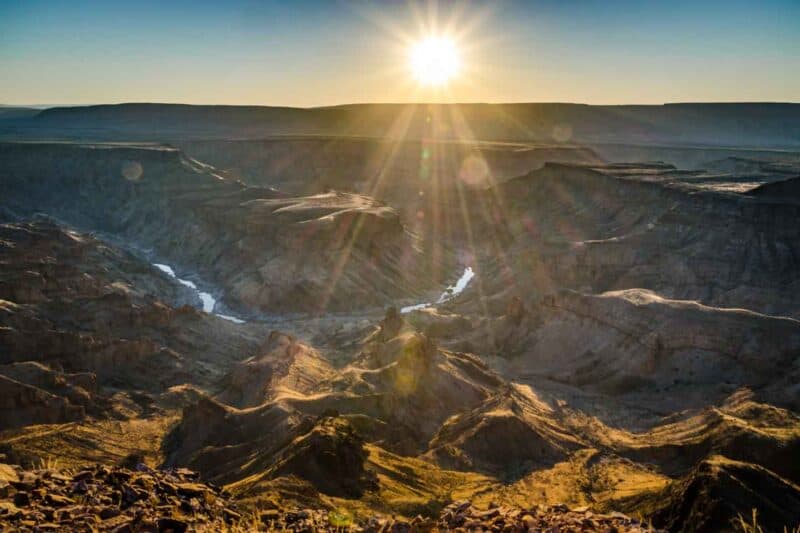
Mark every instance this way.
x=384 y=168
x=580 y=229
x=251 y=242
x=78 y=316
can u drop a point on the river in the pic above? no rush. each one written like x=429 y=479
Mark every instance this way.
x=208 y=301
x=449 y=293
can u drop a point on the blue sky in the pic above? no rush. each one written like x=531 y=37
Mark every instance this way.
x=305 y=53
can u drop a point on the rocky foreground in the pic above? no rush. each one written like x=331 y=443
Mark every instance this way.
x=110 y=499
x=100 y=498
x=465 y=517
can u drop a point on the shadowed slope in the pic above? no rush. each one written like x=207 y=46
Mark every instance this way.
x=251 y=242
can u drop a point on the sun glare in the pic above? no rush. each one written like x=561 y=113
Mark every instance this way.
x=434 y=60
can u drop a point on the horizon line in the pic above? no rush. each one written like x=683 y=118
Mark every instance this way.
x=43 y=107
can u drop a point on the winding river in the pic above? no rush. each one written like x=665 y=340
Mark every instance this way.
x=209 y=302
x=449 y=293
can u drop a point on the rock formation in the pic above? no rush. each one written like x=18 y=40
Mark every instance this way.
x=630 y=341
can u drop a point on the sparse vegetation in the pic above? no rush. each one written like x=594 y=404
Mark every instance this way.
x=751 y=524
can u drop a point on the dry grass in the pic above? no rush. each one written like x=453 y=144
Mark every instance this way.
x=585 y=478
x=76 y=444
x=751 y=525
x=409 y=486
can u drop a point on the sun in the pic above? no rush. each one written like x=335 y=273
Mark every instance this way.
x=434 y=60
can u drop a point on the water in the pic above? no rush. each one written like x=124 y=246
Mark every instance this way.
x=458 y=288
x=449 y=293
x=230 y=318
x=167 y=269
x=209 y=302
x=409 y=308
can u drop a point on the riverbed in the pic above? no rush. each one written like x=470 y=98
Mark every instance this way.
x=208 y=301
x=449 y=293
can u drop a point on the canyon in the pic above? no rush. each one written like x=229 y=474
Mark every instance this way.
x=437 y=330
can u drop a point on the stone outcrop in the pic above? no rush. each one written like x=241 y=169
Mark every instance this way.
x=720 y=491
x=531 y=438
x=331 y=456
x=101 y=498
x=537 y=518
x=282 y=365
x=24 y=404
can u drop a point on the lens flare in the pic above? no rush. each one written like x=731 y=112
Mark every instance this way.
x=434 y=60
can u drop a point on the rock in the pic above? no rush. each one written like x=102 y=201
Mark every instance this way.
x=120 y=474
x=127 y=527
x=167 y=487
x=22 y=499
x=291 y=517
x=332 y=456
x=27 y=481
x=109 y=512
x=515 y=311
x=528 y=521
x=191 y=489
x=115 y=498
x=282 y=361
x=8 y=474
x=391 y=323
x=57 y=500
x=9 y=510
x=80 y=487
x=171 y=525
x=231 y=515
x=553 y=518
x=83 y=475
x=486 y=515
x=399 y=526
x=129 y=495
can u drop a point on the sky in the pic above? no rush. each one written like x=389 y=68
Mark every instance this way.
x=313 y=53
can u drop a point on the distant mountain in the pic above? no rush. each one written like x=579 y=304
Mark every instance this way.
x=8 y=112
x=716 y=124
